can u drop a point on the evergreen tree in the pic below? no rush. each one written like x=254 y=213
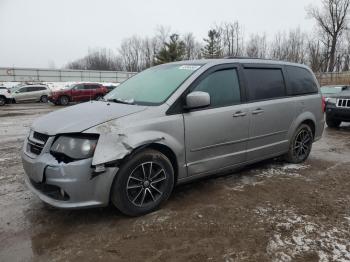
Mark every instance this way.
x=174 y=50
x=212 y=49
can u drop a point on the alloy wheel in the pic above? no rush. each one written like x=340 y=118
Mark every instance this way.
x=302 y=144
x=146 y=184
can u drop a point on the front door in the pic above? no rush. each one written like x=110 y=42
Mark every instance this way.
x=216 y=137
x=78 y=93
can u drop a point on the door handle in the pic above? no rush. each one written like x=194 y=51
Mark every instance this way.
x=258 y=111
x=239 y=114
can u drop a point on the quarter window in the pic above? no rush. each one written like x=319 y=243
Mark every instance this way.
x=264 y=83
x=300 y=81
x=222 y=86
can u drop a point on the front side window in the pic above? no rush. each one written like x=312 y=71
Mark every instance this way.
x=154 y=85
x=264 y=83
x=222 y=86
x=23 y=90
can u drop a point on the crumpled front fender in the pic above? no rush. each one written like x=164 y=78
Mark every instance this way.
x=115 y=142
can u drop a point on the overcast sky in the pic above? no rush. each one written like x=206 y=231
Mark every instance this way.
x=36 y=33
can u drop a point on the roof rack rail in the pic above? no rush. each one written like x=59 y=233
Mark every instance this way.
x=245 y=57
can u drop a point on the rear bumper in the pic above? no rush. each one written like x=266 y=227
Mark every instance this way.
x=71 y=185
x=337 y=113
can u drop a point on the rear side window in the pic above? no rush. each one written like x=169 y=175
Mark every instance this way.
x=300 y=81
x=222 y=86
x=264 y=83
x=31 y=89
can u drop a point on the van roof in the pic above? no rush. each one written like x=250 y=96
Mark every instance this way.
x=240 y=60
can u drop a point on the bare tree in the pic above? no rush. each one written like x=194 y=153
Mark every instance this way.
x=289 y=47
x=232 y=38
x=315 y=55
x=130 y=52
x=97 y=59
x=331 y=19
x=192 y=47
x=257 y=46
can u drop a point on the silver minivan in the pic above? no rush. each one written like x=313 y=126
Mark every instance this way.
x=171 y=124
x=32 y=93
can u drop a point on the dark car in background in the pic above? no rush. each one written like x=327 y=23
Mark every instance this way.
x=78 y=93
x=338 y=108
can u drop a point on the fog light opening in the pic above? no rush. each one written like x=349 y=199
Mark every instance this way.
x=62 y=193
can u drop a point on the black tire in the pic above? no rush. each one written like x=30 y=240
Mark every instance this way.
x=2 y=101
x=143 y=183
x=64 y=100
x=332 y=123
x=44 y=99
x=300 y=145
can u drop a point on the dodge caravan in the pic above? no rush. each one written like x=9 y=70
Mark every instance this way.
x=171 y=124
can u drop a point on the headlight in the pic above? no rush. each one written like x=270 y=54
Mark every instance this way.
x=331 y=100
x=75 y=147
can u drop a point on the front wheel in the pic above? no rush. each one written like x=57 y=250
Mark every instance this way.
x=300 y=145
x=64 y=100
x=143 y=183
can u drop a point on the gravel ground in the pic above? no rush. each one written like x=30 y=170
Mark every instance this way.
x=271 y=211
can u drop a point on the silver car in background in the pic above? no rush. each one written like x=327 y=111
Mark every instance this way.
x=32 y=93
x=171 y=124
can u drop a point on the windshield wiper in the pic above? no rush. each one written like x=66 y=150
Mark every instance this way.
x=120 y=101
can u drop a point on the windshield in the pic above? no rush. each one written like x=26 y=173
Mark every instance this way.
x=152 y=86
x=332 y=89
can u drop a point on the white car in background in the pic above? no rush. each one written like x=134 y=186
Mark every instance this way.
x=5 y=96
x=32 y=93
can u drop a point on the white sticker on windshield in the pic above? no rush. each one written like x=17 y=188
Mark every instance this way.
x=189 y=67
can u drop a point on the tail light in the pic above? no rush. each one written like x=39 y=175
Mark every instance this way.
x=323 y=104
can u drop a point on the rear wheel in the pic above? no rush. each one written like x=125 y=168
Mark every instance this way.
x=332 y=123
x=2 y=101
x=143 y=183
x=300 y=145
x=64 y=100
x=44 y=99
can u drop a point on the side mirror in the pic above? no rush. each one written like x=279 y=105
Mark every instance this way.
x=197 y=100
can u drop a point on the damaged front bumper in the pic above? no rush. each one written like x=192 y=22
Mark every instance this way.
x=66 y=185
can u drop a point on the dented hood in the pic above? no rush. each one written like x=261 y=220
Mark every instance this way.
x=78 y=118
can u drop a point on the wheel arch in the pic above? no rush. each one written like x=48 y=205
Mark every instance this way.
x=305 y=118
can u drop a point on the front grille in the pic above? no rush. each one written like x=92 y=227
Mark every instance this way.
x=36 y=142
x=41 y=137
x=343 y=103
x=35 y=148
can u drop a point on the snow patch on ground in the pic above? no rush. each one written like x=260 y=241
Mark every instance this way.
x=294 y=236
x=283 y=170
